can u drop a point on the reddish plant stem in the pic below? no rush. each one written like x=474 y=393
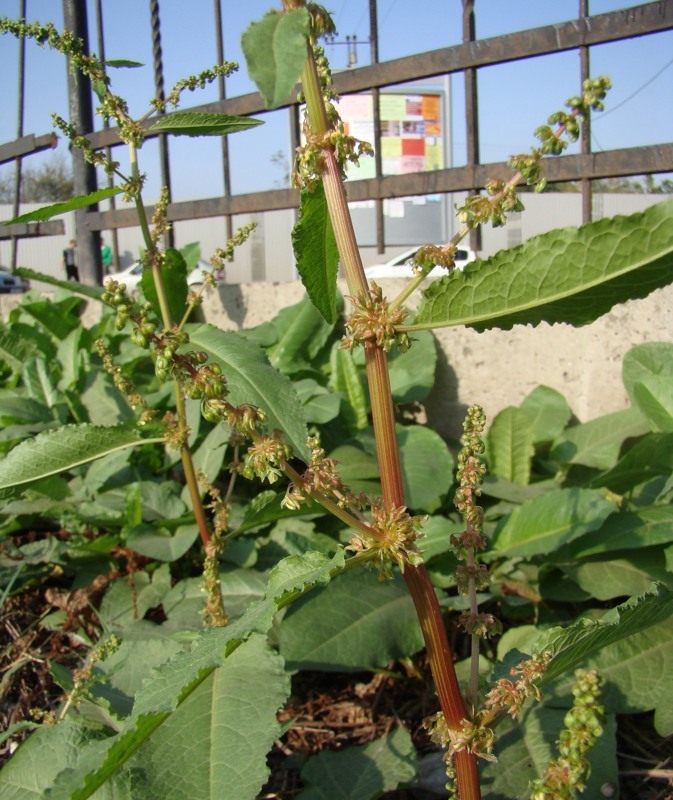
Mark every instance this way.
x=417 y=579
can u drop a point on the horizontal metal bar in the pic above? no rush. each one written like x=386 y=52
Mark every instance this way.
x=609 y=164
x=25 y=230
x=27 y=145
x=613 y=26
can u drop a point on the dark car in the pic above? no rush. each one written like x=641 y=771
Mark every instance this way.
x=12 y=284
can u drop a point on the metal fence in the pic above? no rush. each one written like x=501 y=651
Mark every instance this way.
x=468 y=58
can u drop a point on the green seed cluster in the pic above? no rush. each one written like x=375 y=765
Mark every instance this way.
x=568 y=774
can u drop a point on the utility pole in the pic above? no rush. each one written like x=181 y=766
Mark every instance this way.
x=84 y=175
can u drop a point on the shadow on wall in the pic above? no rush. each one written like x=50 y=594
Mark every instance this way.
x=445 y=413
x=233 y=303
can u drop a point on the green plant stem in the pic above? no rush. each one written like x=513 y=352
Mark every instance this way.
x=416 y=578
x=474 y=639
x=185 y=452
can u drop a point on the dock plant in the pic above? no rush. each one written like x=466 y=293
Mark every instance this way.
x=280 y=462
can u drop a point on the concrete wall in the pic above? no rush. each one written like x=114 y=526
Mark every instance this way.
x=268 y=256
x=496 y=368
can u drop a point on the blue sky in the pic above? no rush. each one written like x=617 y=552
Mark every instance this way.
x=514 y=98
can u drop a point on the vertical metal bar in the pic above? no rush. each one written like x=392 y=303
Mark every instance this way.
x=106 y=124
x=374 y=44
x=585 y=136
x=84 y=175
x=159 y=89
x=471 y=109
x=226 y=171
x=19 y=134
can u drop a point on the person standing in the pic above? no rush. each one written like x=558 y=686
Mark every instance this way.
x=70 y=261
x=106 y=256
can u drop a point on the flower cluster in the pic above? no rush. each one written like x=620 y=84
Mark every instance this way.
x=226 y=253
x=124 y=384
x=321 y=478
x=509 y=695
x=266 y=458
x=501 y=198
x=584 y=723
x=374 y=321
x=309 y=162
x=432 y=255
x=392 y=539
x=470 y=476
x=193 y=82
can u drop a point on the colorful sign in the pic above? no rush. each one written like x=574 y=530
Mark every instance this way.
x=411 y=132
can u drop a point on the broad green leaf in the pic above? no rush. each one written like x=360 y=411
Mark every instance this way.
x=170 y=684
x=40 y=383
x=649 y=458
x=638 y=671
x=129 y=600
x=525 y=748
x=345 y=378
x=427 y=467
x=631 y=574
x=174 y=274
x=56 y=451
x=548 y=413
x=597 y=443
x=644 y=361
x=354 y=623
x=51 y=748
x=302 y=332
x=627 y=530
x=93 y=292
x=357 y=468
x=654 y=397
x=103 y=402
x=251 y=379
x=316 y=252
x=571 y=275
x=160 y=543
x=47 y=212
x=208 y=457
x=58 y=318
x=551 y=520
x=514 y=492
x=14 y=350
x=320 y=405
x=15 y=406
x=264 y=509
x=363 y=772
x=215 y=744
x=193 y=123
x=275 y=52
x=573 y=645
x=412 y=374
x=510 y=446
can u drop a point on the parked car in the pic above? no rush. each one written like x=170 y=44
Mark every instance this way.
x=12 y=284
x=132 y=275
x=401 y=266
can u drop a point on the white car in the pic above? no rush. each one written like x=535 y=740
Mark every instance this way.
x=12 y=284
x=401 y=266
x=132 y=275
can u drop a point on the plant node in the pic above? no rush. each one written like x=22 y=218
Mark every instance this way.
x=321 y=477
x=392 y=540
x=374 y=321
x=266 y=458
